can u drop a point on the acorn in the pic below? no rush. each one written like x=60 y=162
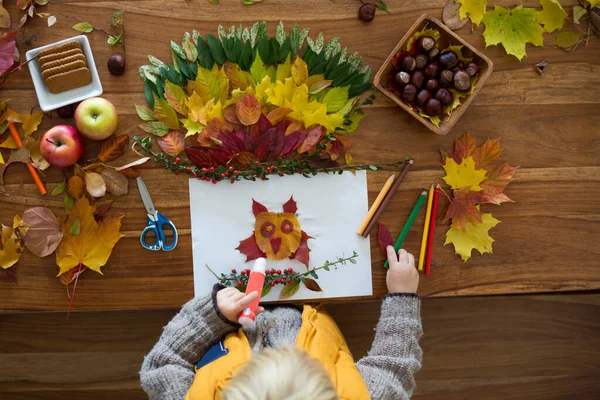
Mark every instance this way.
x=433 y=54
x=424 y=43
x=433 y=107
x=462 y=81
x=472 y=69
x=401 y=78
x=409 y=92
x=417 y=79
x=445 y=78
x=432 y=85
x=422 y=97
x=366 y=12
x=448 y=59
x=444 y=96
x=421 y=61
x=431 y=70
x=408 y=63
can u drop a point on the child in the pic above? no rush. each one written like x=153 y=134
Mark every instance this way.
x=288 y=354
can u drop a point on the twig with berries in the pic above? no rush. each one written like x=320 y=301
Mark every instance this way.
x=289 y=278
x=303 y=164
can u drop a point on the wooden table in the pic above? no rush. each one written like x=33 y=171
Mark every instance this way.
x=550 y=127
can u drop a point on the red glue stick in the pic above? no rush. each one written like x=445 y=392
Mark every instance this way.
x=255 y=284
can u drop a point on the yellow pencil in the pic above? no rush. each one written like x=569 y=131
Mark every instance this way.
x=386 y=188
x=426 y=228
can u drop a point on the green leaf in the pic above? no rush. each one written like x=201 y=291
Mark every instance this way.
x=68 y=202
x=280 y=33
x=578 y=13
x=382 y=6
x=178 y=50
x=205 y=58
x=84 y=27
x=247 y=2
x=60 y=189
x=75 y=227
x=336 y=98
x=373 y=167
x=566 y=39
x=165 y=113
x=156 y=128
x=189 y=48
x=317 y=45
x=114 y=40
x=246 y=56
x=352 y=260
x=314 y=274
x=266 y=290
x=116 y=19
x=297 y=38
x=149 y=89
x=258 y=70
x=552 y=16
x=264 y=50
x=145 y=113
x=216 y=49
x=333 y=47
x=289 y=290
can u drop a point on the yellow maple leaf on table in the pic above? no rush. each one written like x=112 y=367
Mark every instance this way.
x=475 y=236
x=463 y=174
x=552 y=16
x=473 y=9
x=94 y=243
x=30 y=122
x=12 y=242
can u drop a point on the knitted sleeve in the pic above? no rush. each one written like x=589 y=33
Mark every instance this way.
x=168 y=370
x=395 y=356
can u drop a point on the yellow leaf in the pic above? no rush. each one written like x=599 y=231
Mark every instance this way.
x=349 y=159
x=238 y=79
x=192 y=127
x=473 y=9
x=9 y=143
x=463 y=174
x=175 y=95
x=30 y=121
x=475 y=236
x=277 y=234
x=311 y=80
x=165 y=113
x=12 y=242
x=1 y=159
x=552 y=16
x=284 y=70
x=593 y=3
x=566 y=39
x=299 y=71
x=36 y=154
x=94 y=244
x=207 y=84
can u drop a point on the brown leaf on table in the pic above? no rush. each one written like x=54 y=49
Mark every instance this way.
x=247 y=109
x=171 y=143
x=113 y=148
x=94 y=184
x=12 y=242
x=44 y=234
x=463 y=208
x=311 y=284
x=384 y=238
x=116 y=182
x=75 y=186
x=289 y=290
x=451 y=15
x=130 y=173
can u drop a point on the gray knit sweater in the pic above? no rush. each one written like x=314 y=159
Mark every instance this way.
x=168 y=370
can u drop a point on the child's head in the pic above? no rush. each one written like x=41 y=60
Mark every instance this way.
x=287 y=373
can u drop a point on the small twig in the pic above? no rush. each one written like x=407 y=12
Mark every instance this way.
x=588 y=32
x=78 y=20
x=213 y=272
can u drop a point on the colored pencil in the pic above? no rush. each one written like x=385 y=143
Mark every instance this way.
x=384 y=190
x=426 y=228
x=408 y=224
x=32 y=170
x=436 y=197
x=387 y=198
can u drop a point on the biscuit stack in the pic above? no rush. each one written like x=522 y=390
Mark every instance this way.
x=64 y=67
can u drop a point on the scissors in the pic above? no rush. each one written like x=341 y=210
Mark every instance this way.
x=156 y=222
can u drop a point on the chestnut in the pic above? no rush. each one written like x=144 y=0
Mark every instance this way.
x=116 y=64
x=431 y=70
x=472 y=69
x=417 y=79
x=462 y=81
x=467 y=52
x=448 y=59
x=433 y=54
x=366 y=12
x=459 y=65
x=432 y=85
x=422 y=97
x=433 y=107
x=409 y=92
x=444 y=96
x=446 y=77
x=421 y=61
x=408 y=63
x=424 y=43
x=401 y=78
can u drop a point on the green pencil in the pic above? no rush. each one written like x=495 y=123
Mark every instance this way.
x=408 y=224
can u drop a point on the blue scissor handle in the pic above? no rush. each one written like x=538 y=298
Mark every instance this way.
x=156 y=223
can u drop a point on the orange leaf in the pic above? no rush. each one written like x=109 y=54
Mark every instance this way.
x=463 y=208
x=75 y=187
x=495 y=183
x=487 y=155
x=278 y=114
x=171 y=143
x=278 y=235
x=113 y=148
x=247 y=109
x=311 y=284
x=130 y=173
x=230 y=115
x=463 y=148
x=242 y=159
x=314 y=135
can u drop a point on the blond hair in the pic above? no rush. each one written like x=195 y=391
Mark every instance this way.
x=287 y=373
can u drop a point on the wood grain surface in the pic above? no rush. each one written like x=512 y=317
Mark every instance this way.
x=550 y=127
x=536 y=347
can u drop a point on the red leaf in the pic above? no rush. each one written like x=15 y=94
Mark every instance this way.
x=249 y=248
x=264 y=124
x=486 y=156
x=334 y=149
x=290 y=206
x=311 y=284
x=258 y=208
x=7 y=51
x=384 y=238
x=302 y=253
x=462 y=208
x=242 y=159
x=100 y=213
x=199 y=157
x=463 y=148
x=314 y=135
x=495 y=183
x=292 y=141
x=266 y=144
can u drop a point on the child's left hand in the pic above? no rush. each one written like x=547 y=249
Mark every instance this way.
x=231 y=302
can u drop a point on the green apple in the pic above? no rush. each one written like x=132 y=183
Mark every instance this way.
x=96 y=118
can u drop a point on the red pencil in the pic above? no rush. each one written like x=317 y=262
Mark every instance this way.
x=434 y=208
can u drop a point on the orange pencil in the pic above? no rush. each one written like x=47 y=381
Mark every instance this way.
x=32 y=170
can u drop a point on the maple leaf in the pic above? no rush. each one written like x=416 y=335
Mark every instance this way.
x=495 y=183
x=290 y=206
x=384 y=238
x=474 y=9
x=552 y=16
x=249 y=248
x=258 y=208
x=513 y=29
x=464 y=174
x=464 y=147
x=302 y=252
x=12 y=242
x=463 y=208
x=487 y=155
x=94 y=243
x=30 y=121
x=473 y=237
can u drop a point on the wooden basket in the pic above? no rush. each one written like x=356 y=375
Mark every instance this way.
x=447 y=38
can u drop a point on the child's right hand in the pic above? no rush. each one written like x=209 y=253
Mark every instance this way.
x=231 y=302
x=402 y=276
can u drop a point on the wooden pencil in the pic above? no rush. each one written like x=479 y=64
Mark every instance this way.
x=384 y=190
x=32 y=170
x=426 y=228
x=436 y=197
x=387 y=199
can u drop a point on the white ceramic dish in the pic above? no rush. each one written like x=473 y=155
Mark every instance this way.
x=50 y=101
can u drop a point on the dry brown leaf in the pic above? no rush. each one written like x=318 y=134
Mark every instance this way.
x=44 y=234
x=116 y=182
x=113 y=148
x=451 y=15
x=75 y=186
x=130 y=173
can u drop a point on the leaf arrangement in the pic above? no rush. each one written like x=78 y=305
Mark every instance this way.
x=514 y=28
x=476 y=176
x=243 y=93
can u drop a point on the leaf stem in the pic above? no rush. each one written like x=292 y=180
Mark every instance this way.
x=73 y=293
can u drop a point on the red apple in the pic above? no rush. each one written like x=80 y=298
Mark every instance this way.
x=61 y=146
x=96 y=118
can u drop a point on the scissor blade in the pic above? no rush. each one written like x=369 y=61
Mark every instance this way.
x=146 y=199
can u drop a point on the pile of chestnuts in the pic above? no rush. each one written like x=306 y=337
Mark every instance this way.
x=425 y=76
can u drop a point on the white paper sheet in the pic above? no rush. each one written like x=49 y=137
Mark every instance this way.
x=330 y=209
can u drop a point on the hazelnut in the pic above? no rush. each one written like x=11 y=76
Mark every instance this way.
x=432 y=85
x=408 y=63
x=401 y=78
x=446 y=77
x=422 y=97
x=444 y=96
x=431 y=70
x=462 y=81
x=448 y=59
x=433 y=54
x=417 y=79
x=424 y=43
x=421 y=61
x=366 y=12
x=433 y=107
x=472 y=69
x=409 y=92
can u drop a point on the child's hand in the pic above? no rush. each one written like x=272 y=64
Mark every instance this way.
x=231 y=302
x=402 y=276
